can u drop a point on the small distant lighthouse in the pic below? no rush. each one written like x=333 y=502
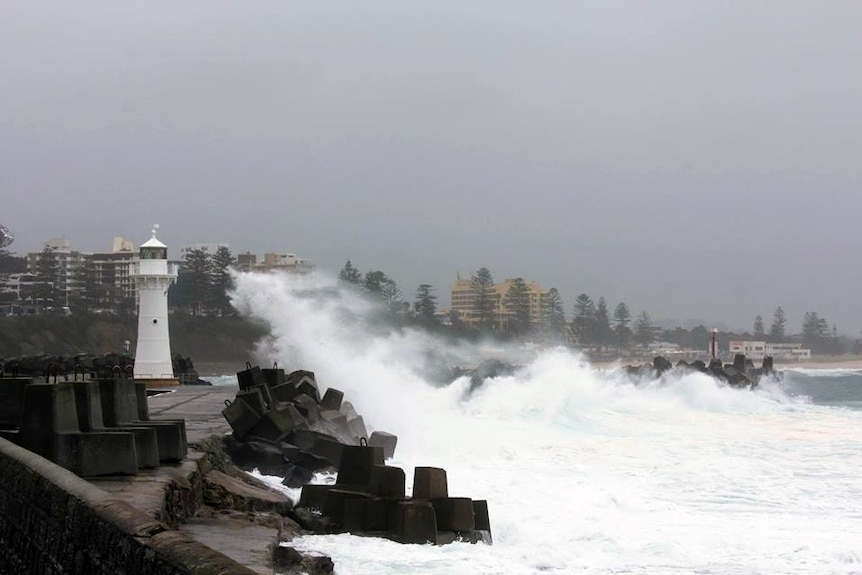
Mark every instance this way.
x=153 y=276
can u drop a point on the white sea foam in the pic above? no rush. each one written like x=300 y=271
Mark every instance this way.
x=584 y=471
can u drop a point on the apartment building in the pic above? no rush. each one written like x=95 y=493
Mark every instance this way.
x=463 y=297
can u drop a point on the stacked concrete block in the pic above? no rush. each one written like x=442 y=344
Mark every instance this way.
x=12 y=400
x=49 y=427
x=89 y=408
x=120 y=409
x=274 y=376
x=368 y=498
x=385 y=440
x=276 y=407
x=250 y=377
x=281 y=422
x=93 y=427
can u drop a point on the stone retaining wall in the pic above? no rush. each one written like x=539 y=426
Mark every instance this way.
x=54 y=522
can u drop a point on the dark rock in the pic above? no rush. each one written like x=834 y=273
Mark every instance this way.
x=284 y=557
x=661 y=365
x=296 y=476
x=489 y=368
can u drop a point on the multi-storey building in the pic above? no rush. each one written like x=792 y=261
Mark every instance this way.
x=290 y=263
x=246 y=262
x=111 y=271
x=64 y=263
x=756 y=350
x=209 y=248
x=463 y=306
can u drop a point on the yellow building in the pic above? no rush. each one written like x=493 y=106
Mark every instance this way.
x=464 y=294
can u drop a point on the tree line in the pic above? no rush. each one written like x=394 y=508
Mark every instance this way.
x=204 y=281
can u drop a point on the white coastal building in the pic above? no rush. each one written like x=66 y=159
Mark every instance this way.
x=755 y=350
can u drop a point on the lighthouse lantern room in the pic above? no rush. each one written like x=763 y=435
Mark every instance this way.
x=153 y=276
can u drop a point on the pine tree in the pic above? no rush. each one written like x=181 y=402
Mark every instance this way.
x=779 y=322
x=759 y=331
x=554 y=315
x=602 y=324
x=374 y=282
x=584 y=319
x=643 y=329
x=391 y=294
x=622 y=319
x=425 y=305
x=484 y=298
x=195 y=275
x=221 y=280
x=350 y=275
x=517 y=304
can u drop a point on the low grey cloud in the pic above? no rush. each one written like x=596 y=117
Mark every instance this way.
x=693 y=159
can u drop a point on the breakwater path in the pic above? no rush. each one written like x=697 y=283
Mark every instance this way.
x=52 y=521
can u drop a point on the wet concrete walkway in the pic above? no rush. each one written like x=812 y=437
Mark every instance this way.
x=246 y=543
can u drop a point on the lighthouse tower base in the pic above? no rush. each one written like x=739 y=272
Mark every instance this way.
x=159 y=383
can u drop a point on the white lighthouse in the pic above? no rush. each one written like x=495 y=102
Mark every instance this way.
x=153 y=276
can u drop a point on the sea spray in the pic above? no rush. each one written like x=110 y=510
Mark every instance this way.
x=584 y=470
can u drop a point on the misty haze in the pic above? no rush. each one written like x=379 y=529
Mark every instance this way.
x=697 y=161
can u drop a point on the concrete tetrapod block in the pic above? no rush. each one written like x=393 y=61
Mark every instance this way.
x=335 y=502
x=314 y=496
x=254 y=397
x=250 y=376
x=414 y=522
x=295 y=376
x=334 y=418
x=89 y=407
x=355 y=514
x=273 y=376
x=276 y=424
x=388 y=481
x=49 y=407
x=284 y=392
x=387 y=441
x=171 y=437
x=378 y=512
x=49 y=427
x=119 y=409
x=98 y=453
x=481 y=519
x=119 y=401
x=241 y=417
x=12 y=400
x=356 y=426
x=332 y=399
x=142 y=401
x=356 y=465
x=308 y=386
x=318 y=444
x=347 y=409
x=307 y=407
x=430 y=483
x=454 y=514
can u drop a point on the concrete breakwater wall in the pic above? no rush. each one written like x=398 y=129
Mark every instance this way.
x=52 y=522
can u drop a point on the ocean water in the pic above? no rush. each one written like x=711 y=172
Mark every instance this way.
x=584 y=470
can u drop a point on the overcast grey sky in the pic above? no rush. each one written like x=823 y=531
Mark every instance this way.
x=695 y=159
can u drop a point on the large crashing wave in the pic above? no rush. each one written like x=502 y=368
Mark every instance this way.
x=584 y=469
x=392 y=375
